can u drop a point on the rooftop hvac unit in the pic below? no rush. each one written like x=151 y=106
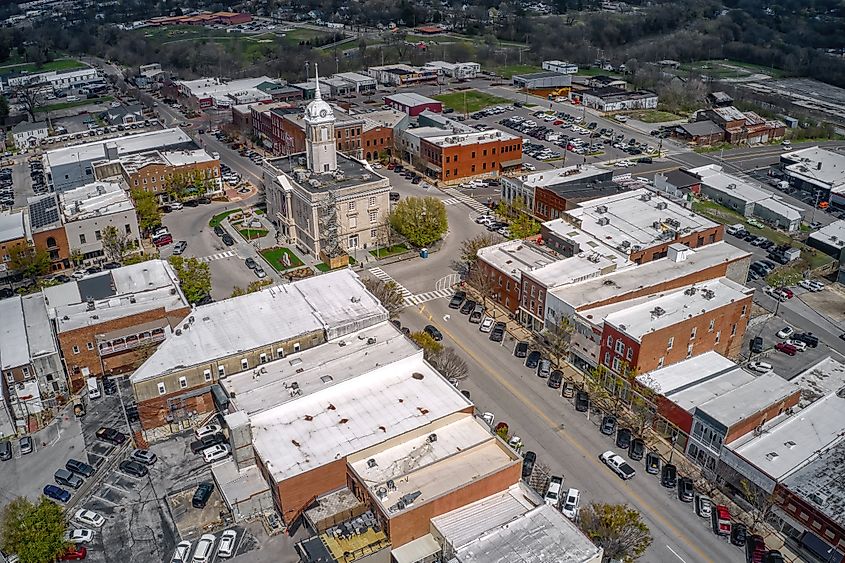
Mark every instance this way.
x=601 y=209
x=690 y=291
x=661 y=205
x=656 y=225
x=646 y=197
x=371 y=463
x=657 y=312
x=603 y=221
x=708 y=294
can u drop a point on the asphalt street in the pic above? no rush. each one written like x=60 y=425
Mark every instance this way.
x=566 y=441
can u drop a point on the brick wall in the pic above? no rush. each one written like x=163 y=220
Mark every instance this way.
x=504 y=289
x=749 y=424
x=296 y=493
x=465 y=161
x=154 y=412
x=548 y=205
x=375 y=141
x=55 y=242
x=811 y=517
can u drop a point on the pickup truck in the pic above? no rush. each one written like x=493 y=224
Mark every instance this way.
x=618 y=464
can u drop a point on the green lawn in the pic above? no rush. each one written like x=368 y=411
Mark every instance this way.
x=389 y=251
x=78 y=103
x=295 y=36
x=653 y=116
x=57 y=65
x=252 y=234
x=274 y=258
x=470 y=101
x=507 y=71
x=217 y=219
x=323 y=267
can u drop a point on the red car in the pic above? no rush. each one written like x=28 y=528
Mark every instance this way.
x=163 y=240
x=558 y=122
x=787 y=349
x=74 y=553
x=786 y=291
x=391 y=166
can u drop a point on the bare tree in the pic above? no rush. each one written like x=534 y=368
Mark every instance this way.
x=116 y=244
x=450 y=364
x=761 y=502
x=557 y=339
x=484 y=282
x=29 y=97
x=389 y=295
x=470 y=248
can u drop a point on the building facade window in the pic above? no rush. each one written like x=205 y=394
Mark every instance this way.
x=161 y=388
x=75 y=349
x=689 y=351
x=82 y=238
x=620 y=347
x=692 y=333
x=206 y=374
x=712 y=325
x=183 y=382
x=671 y=343
x=221 y=371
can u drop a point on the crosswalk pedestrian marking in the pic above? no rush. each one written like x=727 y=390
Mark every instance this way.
x=385 y=277
x=450 y=201
x=421 y=298
x=463 y=198
x=218 y=256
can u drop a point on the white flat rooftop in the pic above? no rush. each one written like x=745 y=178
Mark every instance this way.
x=825 y=377
x=832 y=235
x=352 y=415
x=683 y=374
x=14 y=351
x=515 y=256
x=337 y=303
x=313 y=369
x=94 y=200
x=658 y=311
x=125 y=145
x=620 y=283
x=713 y=176
x=477 y=137
x=789 y=441
x=818 y=166
x=410 y=99
x=462 y=451
x=748 y=399
x=556 y=176
x=637 y=218
x=11 y=226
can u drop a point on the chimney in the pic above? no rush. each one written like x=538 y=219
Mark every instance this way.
x=240 y=439
x=677 y=252
x=111 y=151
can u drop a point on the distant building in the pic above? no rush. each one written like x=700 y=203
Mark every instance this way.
x=12 y=235
x=48 y=230
x=542 y=81
x=547 y=194
x=402 y=74
x=612 y=98
x=413 y=104
x=55 y=79
x=560 y=67
x=456 y=71
x=216 y=93
x=27 y=135
x=743 y=127
x=700 y=132
x=361 y=83
x=817 y=169
x=124 y=115
x=720 y=99
x=831 y=240
x=452 y=158
x=677 y=183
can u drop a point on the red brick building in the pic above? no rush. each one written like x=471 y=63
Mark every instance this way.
x=413 y=104
x=455 y=157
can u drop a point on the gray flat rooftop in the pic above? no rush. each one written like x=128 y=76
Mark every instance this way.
x=11 y=226
x=513 y=257
x=410 y=99
x=818 y=166
x=238 y=486
x=637 y=218
x=337 y=303
x=558 y=176
x=629 y=280
x=25 y=333
x=832 y=234
x=165 y=138
x=686 y=373
x=820 y=483
x=748 y=399
x=350 y=173
x=823 y=378
x=714 y=177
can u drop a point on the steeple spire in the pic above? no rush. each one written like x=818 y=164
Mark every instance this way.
x=317 y=95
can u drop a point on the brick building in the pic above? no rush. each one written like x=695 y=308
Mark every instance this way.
x=287 y=132
x=154 y=171
x=413 y=104
x=454 y=157
x=550 y=193
x=503 y=266
x=12 y=235
x=109 y=322
x=743 y=127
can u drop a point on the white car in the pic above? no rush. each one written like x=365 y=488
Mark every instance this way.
x=176 y=206
x=571 y=504
x=806 y=284
x=552 y=495
x=215 y=453
x=618 y=464
x=484 y=219
x=760 y=367
x=816 y=285
x=89 y=518
x=183 y=550
x=786 y=332
x=226 y=547
x=79 y=535
x=799 y=344
x=486 y=324
x=206 y=430
x=203 y=552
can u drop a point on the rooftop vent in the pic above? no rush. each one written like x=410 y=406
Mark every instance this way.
x=646 y=197
x=90 y=305
x=432 y=438
x=371 y=463
x=657 y=312
x=601 y=209
x=661 y=205
x=382 y=493
x=690 y=290
x=708 y=294
x=771 y=456
x=603 y=221
x=391 y=486
x=790 y=444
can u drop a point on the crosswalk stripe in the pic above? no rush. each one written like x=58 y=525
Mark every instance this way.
x=421 y=298
x=218 y=256
x=385 y=277
x=463 y=198
x=450 y=201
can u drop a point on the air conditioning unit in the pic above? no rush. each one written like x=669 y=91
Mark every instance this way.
x=661 y=205
x=601 y=209
x=603 y=221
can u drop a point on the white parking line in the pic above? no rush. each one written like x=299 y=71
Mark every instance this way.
x=98 y=497
x=675 y=554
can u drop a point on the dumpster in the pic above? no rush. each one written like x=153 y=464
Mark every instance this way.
x=424 y=253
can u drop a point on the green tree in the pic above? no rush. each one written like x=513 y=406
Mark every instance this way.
x=146 y=206
x=29 y=261
x=188 y=184
x=470 y=248
x=389 y=295
x=35 y=532
x=421 y=220
x=194 y=277
x=116 y=244
x=618 y=529
x=4 y=108
x=430 y=346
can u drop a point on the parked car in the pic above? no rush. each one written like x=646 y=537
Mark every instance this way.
x=571 y=504
x=143 y=456
x=787 y=349
x=623 y=438
x=568 y=390
x=478 y=314
x=215 y=453
x=79 y=535
x=227 y=239
x=552 y=495
x=203 y=553
x=110 y=435
x=686 y=491
x=582 y=401
x=433 y=332
x=202 y=494
x=467 y=307
x=486 y=324
x=799 y=345
x=26 y=445
x=521 y=349
x=533 y=359
x=608 y=425
x=226 y=547
x=703 y=506
x=67 y=478
x=617 y=464
x=74 y=553
x=652 y=463
x=786 y=332
x=89 y=518
x=133 y=468
x=757 y=345
x=544 y=368
x=528 y=461
x=807 y=338
x=206 y=442
x=56 y=493
x=5 y=450
x=498 y=332
x=79 y=467
x=739 y=534
x=457 y=299
x=555 y=379
x=669 y=476
x=637 y=449
x=180 y=247
x=755 y=549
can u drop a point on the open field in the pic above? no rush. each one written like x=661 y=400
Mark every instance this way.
x=653 y=116
x=57 y=65
x=508 y=71
x=296 y=36
x=78 y=103
x=469 y=101
x=728 y=69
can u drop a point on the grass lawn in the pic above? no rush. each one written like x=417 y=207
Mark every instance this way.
x=274 y=258
x=323 y=267
x=653 y=116
x=295 y=36
x=508 y=71
x=252 y=234
x=58 y=64
x=217 y=219
x=78 y=103
x=470 y=100
x=389 y=251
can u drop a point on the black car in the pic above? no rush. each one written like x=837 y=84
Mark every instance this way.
x=533 y=359
x=528 y=461
x=608 y=425
x=686 y=490
x=555 y=379
x=250 y=263
x=757 y=345
x=107 y=434
x=227 y=239
x=652 y=463
x=623 y=438
x=669 y=476
x=5 y=450
x=433 y=332
x=133 y=468
x=202 y=494
x=79 y=467
x=109 y=386
x=498 y=332
x=738 y=534
x=219 y=231
x=582 y=401
x=636 y=450
x=773 y=556
x=457 y=299
x=807 y=338
x=521 y=349
x=467 y=307
x=206 y=442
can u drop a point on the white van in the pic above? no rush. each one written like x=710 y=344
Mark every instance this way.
x=93 y=388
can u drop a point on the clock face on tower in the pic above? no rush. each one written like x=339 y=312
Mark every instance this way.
x=322 y=113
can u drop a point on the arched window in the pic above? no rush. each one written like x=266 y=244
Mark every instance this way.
x=51 y=242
